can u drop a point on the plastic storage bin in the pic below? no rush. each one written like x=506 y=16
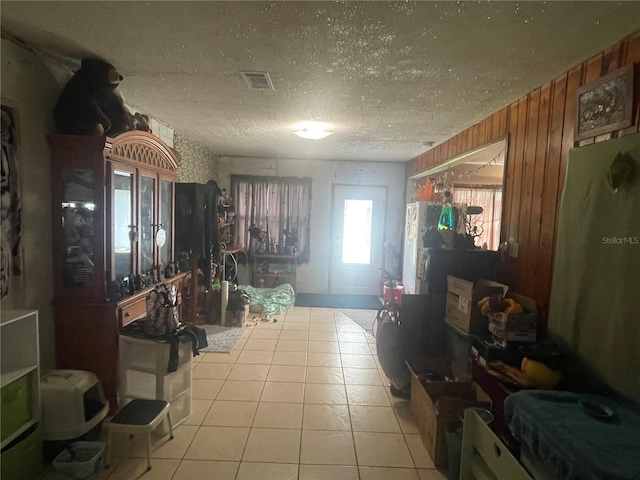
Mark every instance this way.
x=142 y=384
x=80 y=460
x=143 y=372
x=22 y=458
x=16 y=404
x=148 y=355
x=73 y=403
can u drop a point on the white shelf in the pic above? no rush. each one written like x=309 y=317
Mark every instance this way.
x=9 y=375
x=19 y=359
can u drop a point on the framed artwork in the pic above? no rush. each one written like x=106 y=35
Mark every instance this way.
x=605 y=104
x=10 y=223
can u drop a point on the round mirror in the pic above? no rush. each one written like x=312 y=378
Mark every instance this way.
x=161 y=237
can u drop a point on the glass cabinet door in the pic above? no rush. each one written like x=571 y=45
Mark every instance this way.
x=78 y=206
x=147 y=222
x=124 y=229
x=164 y=234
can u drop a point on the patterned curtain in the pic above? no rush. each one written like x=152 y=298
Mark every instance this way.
x=272 y=214
x=488 y=197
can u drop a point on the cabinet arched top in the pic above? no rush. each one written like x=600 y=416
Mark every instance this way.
x=138 y=147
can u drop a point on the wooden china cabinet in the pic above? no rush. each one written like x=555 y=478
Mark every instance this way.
x=113 y=236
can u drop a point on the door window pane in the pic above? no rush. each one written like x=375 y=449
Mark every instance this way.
x=356 y=240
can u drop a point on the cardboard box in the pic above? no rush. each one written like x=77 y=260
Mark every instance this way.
x=515 y=328
x=435 y=403
x=236 y=319
x=462 y=302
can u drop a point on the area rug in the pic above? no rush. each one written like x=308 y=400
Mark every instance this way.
x=222 y=339
x=366 y=302
x=364 y=318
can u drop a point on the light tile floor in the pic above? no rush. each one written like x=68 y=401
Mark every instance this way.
x=303 y=398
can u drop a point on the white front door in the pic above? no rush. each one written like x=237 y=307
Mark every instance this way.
x=357 y=228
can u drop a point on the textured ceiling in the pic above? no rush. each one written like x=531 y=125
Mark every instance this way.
x=388 y=76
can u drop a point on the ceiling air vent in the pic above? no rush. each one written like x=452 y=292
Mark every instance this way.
x=257 y=80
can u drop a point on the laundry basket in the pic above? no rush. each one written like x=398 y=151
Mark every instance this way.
x=80 y=460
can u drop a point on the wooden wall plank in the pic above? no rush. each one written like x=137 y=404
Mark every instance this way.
x=573 y=83
x=631 y=50
x=517 y=167
x=550 y=192
x=611 y=59
x=526 y=191
x=508 y=194
x=504 y=122
x=592 y=69
x=532 y=267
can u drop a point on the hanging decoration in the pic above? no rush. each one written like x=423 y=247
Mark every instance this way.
x=494 y=161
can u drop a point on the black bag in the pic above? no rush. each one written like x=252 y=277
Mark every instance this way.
x=390 y=348
x=162 y=311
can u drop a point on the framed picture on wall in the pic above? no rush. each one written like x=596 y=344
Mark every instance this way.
x=10 y=220
x=605 y=104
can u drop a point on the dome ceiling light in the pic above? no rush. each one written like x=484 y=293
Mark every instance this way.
x=312 y=130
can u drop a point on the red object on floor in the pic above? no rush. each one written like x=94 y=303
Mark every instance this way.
x=397 y=294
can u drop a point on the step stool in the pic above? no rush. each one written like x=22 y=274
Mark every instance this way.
x=139 y=416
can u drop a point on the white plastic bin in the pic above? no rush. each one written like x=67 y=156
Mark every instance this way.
x=143 y=372
x=150 y=355
x=72 y=403
x=80 y=460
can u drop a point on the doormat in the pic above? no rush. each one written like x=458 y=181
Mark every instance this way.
x=364 y=302
x=222 y=339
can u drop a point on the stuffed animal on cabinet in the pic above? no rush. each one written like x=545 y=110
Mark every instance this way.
x=89 y=104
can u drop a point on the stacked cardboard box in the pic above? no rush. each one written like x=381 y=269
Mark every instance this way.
x=434 y=403
x=507 y=328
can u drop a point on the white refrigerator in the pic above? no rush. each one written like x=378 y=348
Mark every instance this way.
x=414 y=254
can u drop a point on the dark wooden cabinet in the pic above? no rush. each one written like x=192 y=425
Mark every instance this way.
x=113 y=240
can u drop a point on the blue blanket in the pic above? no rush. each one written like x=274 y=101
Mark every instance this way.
x=573 y=443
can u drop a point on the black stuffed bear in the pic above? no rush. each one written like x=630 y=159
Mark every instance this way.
x=89 y=105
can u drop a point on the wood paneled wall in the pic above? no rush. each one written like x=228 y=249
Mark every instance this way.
x=540 y=132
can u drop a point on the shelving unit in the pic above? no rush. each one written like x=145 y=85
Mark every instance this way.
x=113 y=216
x=20 y=363
x=143 y=374
x=226 y=215
x=20 y=383
x=280 y=269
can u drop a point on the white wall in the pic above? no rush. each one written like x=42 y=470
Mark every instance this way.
x=314 y=276
x=29 y=87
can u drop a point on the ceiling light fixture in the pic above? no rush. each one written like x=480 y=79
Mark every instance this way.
x=312 y=134
x=312 y=130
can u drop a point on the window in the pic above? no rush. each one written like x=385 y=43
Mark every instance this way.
x=272 y=214
x=487 y=224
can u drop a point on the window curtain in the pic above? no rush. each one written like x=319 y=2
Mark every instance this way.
x=273 y=208
x=489 y=197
